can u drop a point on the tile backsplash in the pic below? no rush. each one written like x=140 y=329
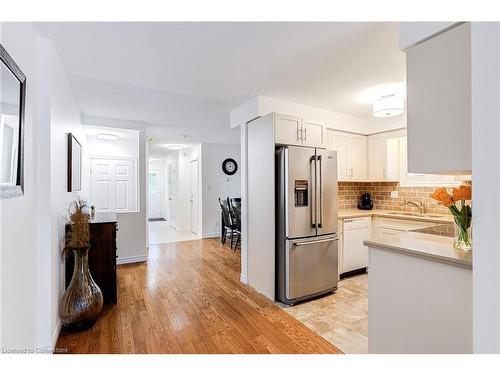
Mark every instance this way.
x=349 y=193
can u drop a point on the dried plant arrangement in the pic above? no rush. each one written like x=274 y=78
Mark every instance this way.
x=78 y=236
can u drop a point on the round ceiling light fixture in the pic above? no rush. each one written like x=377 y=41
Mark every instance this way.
x=388 y=106
x=107 y=137
x=174 y=146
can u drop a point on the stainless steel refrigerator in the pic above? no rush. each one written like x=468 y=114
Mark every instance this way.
x=307 y=223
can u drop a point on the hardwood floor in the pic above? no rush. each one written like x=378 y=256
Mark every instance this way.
x=188 y=298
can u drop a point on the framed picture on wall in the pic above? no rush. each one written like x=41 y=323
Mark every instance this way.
x=74 y=164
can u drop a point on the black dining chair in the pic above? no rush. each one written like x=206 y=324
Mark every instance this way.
x=237 y=222
x=228 y=225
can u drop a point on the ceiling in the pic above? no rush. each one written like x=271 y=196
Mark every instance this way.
x=183 y=79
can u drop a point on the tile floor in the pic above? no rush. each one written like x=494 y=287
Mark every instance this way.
x=341 y=317
x=161 y=232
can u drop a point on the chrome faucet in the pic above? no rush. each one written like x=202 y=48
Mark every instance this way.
x=419 y=204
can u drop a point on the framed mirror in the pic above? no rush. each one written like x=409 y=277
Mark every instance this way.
x=74 y=164
x=12 y=100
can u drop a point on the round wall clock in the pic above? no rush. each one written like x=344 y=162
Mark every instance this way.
x=229 y=166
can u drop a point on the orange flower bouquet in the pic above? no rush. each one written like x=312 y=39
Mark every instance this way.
x=462 y=216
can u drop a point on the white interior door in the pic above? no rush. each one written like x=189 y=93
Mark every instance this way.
x=193 y=199
x=172 y=193
x=155 y=193
x=112 y=186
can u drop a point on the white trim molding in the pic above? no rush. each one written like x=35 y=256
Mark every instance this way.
x=55 y=334
x=133 y=259
x=244 y=279
x=210 y=235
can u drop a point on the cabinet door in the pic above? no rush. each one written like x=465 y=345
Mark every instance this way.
x=313 y=134
x=438 y=74
x=393 y=157
x=338 y=142
x=419 y=179
x=357 y=158
x=377 y=157
x=288 y=130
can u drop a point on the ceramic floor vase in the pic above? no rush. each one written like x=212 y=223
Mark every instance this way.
x=82 y=301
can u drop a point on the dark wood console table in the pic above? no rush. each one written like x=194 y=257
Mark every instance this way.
x=102 y=255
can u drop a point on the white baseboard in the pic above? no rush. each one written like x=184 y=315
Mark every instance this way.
x=134 y=259
x=55 y=335
x=243 y=279
x=210 y=235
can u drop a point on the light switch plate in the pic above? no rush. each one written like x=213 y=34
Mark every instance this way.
x=394 y=194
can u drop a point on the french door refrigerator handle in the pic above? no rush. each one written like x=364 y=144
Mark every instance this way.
x=313 y=190
x=320 y=209
x=315 y=242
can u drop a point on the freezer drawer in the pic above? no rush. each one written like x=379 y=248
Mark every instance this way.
x=311 y=267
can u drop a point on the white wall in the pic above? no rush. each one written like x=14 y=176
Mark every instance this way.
x=133 y=231
x=20 y=267
x=216 y=184
x=485 y=110
x=65 y=118
x=31 y=225
x=132 y=226
x=127 y=146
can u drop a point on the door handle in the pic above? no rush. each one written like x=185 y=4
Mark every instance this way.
x=313 y=191
x=305 y=133
x=320 y=221
x=299 y=134
x=315 y=242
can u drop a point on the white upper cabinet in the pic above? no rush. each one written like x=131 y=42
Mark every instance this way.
x=357 y=157
x=338 y=142
x=313 y=133
x=383 y=157
x=351 y=155
x=408 y=179
x=297 y=131
x=438 y=73
x=288 y=129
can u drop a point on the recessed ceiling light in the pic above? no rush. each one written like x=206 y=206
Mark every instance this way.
x=107 y=137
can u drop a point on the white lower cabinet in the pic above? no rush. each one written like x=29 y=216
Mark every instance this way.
x=355 y=254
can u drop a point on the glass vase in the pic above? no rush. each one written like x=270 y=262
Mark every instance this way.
x=463 y=237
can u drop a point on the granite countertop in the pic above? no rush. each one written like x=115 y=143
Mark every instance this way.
x=422 y=245
x=351 y=213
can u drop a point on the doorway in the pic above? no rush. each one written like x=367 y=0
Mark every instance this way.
x=155 y=189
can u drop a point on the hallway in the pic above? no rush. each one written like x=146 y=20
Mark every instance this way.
x=160 y=232
x=187 y=298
